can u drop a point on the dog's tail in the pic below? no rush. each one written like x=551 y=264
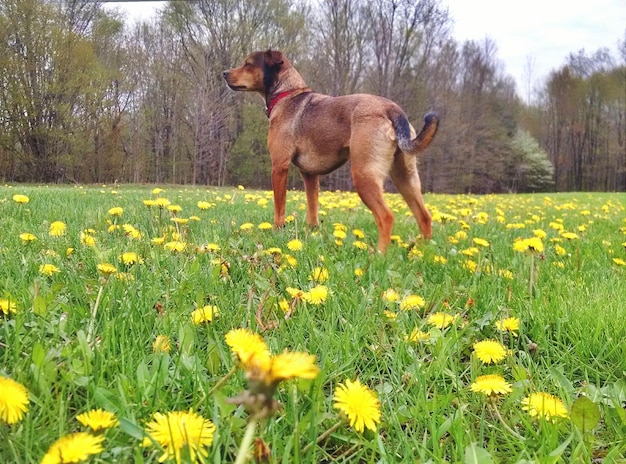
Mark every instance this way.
x=404 y=130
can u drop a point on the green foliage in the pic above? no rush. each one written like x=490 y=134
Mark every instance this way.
x=534 y=171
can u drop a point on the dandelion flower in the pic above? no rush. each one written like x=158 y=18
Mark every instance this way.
x=98 y=419
x=569 y=235
x=175 y=246
x=619 y=261
x=248 y=346
x=7 y=306
x=532 y=245
x=87 y=240
x=265 y=226
x=130 y=257
x=489 y=351
x=509 y=324
x=410 y=302
x=480 y=242
x=57 y=229
x=246 y=226
x=317 y=295
x=359 y=404
x=73 y=448
x=295 y=245
x=319 y=274
x=417 y=336
x=116 y=211
x=204 y=314
x=180 y=434
x=491 y=385
x=107 y=269
x=157 y=190
x=544 y=405
x=161 y=344
x=27 y=237
x=291 y=365
x=48 y=269
x=21 y=199
x=162 y=202
x=13 y=401
x=442 y=320
x=390 y=295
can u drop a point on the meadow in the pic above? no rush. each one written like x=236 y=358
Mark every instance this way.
x=172 y=324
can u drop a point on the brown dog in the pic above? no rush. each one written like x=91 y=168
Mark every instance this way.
x=319 y=133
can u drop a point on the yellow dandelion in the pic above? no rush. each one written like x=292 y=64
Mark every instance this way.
x=7 y=306
x=180 y=434
x=98 y=419
x=442 y=320
x=13 y=400
x=292 y=365
x=295 y=245
x=358 y=272
x=48 y=269
x=508 y=324
x=249 y=347
x=246 y=226
x=161 y=344
x=87 y=240
x=489 y=351
x=131 y=231
x=619 y=261
x=130 y=257
x=540 y=233
x=204 y=314
x=417 y=336
x=319 y=274
x=480 y=242
x=203 y=205
x=162 y=202
x=390 y=295
x=359 y=404
x=358 y=233
x=175 y=246
x=57 y=229
x=265 y=226
x=569 y=235
x=491 y=385
x=73 y=448
x=27 y=237
x=21 y=199
x=107 y=269
x=392 y=316
x=317 y=295
x=116 y=211
x=545 y=406
x=410 y=302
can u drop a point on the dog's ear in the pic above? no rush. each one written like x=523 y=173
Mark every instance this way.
x=273 y=59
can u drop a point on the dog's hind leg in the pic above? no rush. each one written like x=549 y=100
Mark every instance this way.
x=405 y=176
x=312 y=189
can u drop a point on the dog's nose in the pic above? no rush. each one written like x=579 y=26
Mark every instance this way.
x=225 y=74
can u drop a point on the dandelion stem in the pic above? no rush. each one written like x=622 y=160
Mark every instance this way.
x=94 y=311
x=322 y=437
x=532 y=275
x=504 y=424
x=246 y=442
x=223 y=380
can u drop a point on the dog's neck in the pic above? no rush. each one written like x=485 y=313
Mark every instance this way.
x=289 y=82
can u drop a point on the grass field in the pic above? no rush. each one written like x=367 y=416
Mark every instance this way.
x=98 y=313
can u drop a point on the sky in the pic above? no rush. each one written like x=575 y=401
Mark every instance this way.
x=529 y=34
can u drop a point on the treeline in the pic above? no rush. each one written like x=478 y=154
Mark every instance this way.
x=86 y=98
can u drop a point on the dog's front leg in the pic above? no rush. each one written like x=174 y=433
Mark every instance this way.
x=279 y=185
x=312 y=189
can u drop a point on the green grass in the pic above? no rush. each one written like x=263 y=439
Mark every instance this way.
x=570 y=343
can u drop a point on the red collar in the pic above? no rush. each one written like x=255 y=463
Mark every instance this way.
x=275 y=100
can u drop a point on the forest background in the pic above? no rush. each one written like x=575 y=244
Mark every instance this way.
x=87 y=98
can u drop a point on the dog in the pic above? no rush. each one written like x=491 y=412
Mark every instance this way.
x=319 y=133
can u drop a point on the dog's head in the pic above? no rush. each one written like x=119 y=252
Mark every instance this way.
x=259 y=72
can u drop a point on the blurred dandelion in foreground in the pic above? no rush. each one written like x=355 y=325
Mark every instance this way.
x=264 y=371
x=57 y=229
x=491 y=385
x=545 y=406
x=359 y=404
x=489 y=351
x=21 y=199
x=183 y=435
x=13 y=400
x=98 y=419
x=73 y=448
